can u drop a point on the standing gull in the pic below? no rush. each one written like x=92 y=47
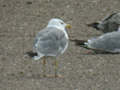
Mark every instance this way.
x=51 y=41
x=108 y=24
x=109 y=42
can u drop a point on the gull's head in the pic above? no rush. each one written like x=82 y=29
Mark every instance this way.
x=58 y=23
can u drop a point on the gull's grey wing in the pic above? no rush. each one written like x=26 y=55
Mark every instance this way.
x=108 y=26
x=109 y=17
x=50 y=41
x=115 y=18
x=110 y=23
x=107 y=42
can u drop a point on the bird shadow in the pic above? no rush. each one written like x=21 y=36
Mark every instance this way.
x=23 y=76
x=99 y=53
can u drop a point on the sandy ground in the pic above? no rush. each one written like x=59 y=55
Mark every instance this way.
x=20 y=20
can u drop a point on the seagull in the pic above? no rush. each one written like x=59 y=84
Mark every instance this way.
x=51 y=41
x=109 y=24
x=108 y=42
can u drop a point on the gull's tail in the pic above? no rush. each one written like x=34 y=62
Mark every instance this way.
x=79 y=42
x=31 y=54
x=94 y=25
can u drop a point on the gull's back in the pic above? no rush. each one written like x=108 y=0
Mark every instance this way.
x=110 y=23
x=108 y=42
x=50 y=41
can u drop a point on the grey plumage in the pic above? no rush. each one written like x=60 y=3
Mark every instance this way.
x=108 y=24
x=109 y=42
x=50 y=41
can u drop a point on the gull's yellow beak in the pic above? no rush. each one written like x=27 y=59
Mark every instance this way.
x=68 y=26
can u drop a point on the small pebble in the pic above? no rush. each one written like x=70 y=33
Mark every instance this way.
x=29 y=2
x=3 y=5
x=21 y=72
